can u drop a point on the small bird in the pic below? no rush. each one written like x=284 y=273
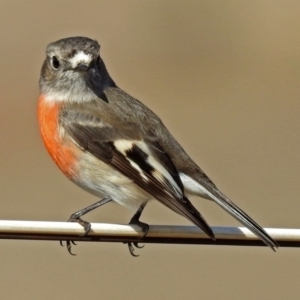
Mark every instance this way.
x=113 y=146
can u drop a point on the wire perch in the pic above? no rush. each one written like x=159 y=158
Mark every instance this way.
x=103 y=232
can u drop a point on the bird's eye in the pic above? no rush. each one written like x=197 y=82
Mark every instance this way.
x=55 y=63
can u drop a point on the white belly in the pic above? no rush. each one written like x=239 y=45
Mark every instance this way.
x=101 y=179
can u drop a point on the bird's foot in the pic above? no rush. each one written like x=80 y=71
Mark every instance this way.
x=69 y=246
x=133 y=245
x=86 y=226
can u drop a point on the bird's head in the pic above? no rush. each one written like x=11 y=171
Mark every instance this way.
x=73 y=70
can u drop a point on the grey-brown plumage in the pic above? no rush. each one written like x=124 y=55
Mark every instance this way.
x=118 y=139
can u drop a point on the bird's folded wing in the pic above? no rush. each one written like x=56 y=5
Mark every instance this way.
x=142 y=160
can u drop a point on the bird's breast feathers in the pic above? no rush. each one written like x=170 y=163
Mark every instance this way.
x=61 y=150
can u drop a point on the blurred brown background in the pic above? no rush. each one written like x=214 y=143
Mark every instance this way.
x=224 y=77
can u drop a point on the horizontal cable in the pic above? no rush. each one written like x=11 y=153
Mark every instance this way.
x=103 y=232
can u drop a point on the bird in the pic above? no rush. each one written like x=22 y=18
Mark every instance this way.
x=116 y=148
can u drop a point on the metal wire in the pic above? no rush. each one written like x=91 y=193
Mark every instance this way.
x=100 y=232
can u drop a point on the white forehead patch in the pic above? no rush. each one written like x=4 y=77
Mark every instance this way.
x=80 y=57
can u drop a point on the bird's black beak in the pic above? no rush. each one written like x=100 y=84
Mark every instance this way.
x=82 y=67
x=96 y=76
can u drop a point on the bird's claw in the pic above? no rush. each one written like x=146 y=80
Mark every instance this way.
x=69 y=246
x=86 y=226
x=136 y=245
x=131 y=249
x=133 y=245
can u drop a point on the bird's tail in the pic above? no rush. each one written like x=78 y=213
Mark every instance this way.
x=236 y=212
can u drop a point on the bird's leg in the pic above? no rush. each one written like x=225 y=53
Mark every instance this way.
x=135 y=220
x=76 y=217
